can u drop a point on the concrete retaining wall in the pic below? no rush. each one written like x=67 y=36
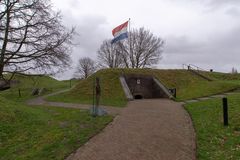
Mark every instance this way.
x=143 y=86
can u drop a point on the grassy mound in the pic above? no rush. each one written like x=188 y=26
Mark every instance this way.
x=221 y=76
x=27 y=83
x=214 y=141
x=188 y=86
x=44 y=132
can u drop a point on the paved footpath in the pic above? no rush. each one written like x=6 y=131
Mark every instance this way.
x=158 y=129
x=41 y=101
x=210 y=97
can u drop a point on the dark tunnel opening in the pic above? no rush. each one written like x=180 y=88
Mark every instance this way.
x=138 y=97
x=144 y=87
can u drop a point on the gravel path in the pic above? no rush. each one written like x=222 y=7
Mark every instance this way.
x=41 y=101
x=145 y=130
x=151 y=129
x=211 y=97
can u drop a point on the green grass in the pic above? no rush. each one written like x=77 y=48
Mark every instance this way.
x=188 y=86
x=28 y=83
x=53 y=133
x=205 y=88
x=43 y=133
x=214 y=141
x=223 y=76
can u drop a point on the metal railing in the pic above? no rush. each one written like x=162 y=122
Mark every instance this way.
x=193 y=67
x=197 y=70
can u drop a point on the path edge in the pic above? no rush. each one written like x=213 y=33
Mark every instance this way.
x=193 y=130
x=72 y=154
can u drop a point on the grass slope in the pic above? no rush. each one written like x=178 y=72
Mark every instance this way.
x=43 y=133
x=28 y=83
x=214 y=141
x=188 y=86
x=223 y=76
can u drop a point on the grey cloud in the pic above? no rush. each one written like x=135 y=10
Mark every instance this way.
x=74 y=3
x=233 y=11
x=220 y=52
x=211 y=5
x=224 y=42
x=222 y=2
x=227 y=43
x=182 y=44
x=211 y=2
x=214 y=4
x=91 y=31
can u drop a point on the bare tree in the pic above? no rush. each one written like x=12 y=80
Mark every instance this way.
x=32 y=38
x=86 y=66
x=109 y=55
x=234 y=70
x=142 y=49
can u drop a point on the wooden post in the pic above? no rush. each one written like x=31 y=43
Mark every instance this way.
x=19 y=92
x=94 y=107
x=225 y=111
x=98 y=93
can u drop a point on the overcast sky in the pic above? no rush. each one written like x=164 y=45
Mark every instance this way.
x=201 y=32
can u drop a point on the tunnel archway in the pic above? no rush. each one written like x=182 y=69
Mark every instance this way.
x=138 y=96
x=144 y=86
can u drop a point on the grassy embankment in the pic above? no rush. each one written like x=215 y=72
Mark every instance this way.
x=44 y=132
x=26 y=84
x=39 y=132
x=52 y=133
x=214 y=141
x=188 y=86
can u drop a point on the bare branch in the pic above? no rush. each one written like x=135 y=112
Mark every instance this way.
x=109 y=55
x=141 y=49
x=32 y=37
x=86 y=67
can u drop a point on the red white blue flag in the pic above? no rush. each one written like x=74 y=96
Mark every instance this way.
x=120 y=32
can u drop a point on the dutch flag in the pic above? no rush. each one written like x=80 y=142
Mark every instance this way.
x=120 y=32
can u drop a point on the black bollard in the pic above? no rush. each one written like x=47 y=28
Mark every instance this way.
x=225 y=111
x=175 y=93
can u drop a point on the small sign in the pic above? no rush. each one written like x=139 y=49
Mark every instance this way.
x=138 y=81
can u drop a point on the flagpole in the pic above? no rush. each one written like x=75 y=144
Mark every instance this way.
x=129 y=24
x=129 y=37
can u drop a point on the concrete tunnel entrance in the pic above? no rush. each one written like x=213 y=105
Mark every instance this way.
x=138 y=97
x=143 y=87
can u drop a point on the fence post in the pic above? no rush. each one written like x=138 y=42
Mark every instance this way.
x=19 y=92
